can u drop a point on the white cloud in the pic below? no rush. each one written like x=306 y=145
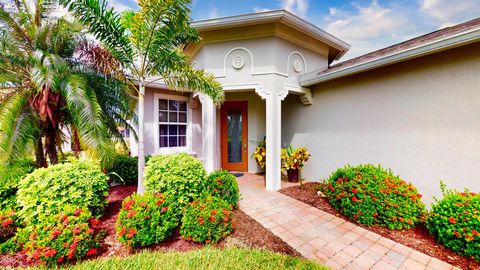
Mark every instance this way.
x=298 y=7
x=368 y=28
x=213 y=13
x=119 y=5
x=259 y=9
x=448 y=12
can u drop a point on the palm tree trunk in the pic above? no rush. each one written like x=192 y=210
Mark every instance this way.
x=76 y=147
x=39 y=154
x=51 y=145
x=141 y=143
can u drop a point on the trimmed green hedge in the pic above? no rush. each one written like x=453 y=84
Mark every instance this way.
x=126 y=168
x=180 y=175
x=224 y=185
x=10 y=175
x=45 y=191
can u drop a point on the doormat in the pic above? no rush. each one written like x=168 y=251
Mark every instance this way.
x=237 y=174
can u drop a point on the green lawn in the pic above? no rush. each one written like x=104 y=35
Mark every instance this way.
x=206 y=258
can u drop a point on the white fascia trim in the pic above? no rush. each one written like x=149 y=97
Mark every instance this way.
x=272 y=16
x=460 y=39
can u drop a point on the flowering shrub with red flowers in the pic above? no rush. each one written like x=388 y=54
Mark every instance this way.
x=371 y=195
x=207 y=220
x=9 y=223
x=145 y=220
x=455 y=221
x=70 y=235
x=224 y=185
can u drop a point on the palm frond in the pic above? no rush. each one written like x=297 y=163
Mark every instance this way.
x=87 y=117
x=18 y=128
x=105 y=25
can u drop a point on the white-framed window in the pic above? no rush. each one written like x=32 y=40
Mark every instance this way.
x=173 y=121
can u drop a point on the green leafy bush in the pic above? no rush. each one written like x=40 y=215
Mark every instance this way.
x=70 y=235
x=126 y=168
x=10 y=175
x=371 y=195
x=9 y=223
x=180 y=175
x=223 y=185
x=79 y=183
x=207 y=220
x=145 y=220
x=455 y=222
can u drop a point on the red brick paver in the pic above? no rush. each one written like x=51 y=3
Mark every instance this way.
x=328 y=239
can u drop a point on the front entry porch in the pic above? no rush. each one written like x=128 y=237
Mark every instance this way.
x=232 y=131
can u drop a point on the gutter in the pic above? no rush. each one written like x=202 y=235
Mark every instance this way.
x=439 y=45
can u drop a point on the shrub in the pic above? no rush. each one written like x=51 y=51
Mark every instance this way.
x=372 y=195
x=10 y=175
x=223 y=185
x=145 y=220
x=207 y=220
x=180 y=175
x=78 y=183
x=455 y=222
x=67 y=236
x=126 y=168
x=9 y=223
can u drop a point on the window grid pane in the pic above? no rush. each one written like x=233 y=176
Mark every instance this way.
x=173 y=123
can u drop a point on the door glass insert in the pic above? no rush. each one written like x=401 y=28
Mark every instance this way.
x=234 y=129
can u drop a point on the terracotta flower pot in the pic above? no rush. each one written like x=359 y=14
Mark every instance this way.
x=293 y=175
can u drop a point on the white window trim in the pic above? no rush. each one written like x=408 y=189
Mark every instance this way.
x=171 y=150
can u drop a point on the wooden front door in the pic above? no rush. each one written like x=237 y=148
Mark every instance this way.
x=234 y=142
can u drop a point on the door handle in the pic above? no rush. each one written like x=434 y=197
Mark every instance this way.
x=245 y=147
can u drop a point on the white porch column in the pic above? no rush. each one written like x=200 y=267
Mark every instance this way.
x=273 y=137
x=209 y=128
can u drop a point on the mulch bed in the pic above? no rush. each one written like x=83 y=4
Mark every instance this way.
x=248 y=233
x=417 y=238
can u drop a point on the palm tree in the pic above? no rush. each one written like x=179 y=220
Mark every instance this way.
x=44 y=87
x=148 y=43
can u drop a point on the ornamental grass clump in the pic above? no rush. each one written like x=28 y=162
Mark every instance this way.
x=68 y=236
x=145 y=220
x=371 y=195
x=207 y=220
x=224 y=185
x=180 y=175
x=455 y=222
x=46 y=190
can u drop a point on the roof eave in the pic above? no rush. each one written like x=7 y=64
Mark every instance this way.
x=439 y=45
x=274 y=16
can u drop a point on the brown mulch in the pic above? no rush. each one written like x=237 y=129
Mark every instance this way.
x=248 y=233
x=417 y=238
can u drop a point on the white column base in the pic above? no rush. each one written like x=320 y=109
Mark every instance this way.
x=209 y=125
x=273 y=140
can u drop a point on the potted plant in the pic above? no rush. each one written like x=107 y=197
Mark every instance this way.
x=260 y=154
x=293 y=161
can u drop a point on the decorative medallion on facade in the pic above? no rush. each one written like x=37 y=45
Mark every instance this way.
x=238 y=61
x=298 y=65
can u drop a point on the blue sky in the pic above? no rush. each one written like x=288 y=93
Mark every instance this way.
x=367 y=25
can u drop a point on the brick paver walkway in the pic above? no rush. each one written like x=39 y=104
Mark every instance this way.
x=328 y=239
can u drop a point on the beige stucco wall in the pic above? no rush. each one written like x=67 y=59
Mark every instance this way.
x=421 y=118
x=256 y=122
x=151 y=132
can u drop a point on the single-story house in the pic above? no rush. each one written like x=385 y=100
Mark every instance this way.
x=413 y=107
